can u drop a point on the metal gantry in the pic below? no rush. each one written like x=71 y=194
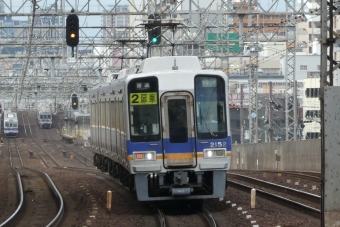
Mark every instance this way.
x=112 y=37
x=290 y=64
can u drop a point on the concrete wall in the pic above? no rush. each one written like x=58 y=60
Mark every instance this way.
x=293 y=155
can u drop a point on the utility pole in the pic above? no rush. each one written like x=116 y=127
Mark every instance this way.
x=241 y=117
x=330 y=126
x=253 y=51
x=270 y=112
x=266 y=128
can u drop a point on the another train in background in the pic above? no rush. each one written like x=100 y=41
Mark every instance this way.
x=45 y=119
x=163 y=129
x=11 y=127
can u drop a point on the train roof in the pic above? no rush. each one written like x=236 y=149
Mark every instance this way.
x=44 y=112
x=11 y=116
x=168 y=63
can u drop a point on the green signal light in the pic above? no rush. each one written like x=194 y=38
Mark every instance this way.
x=154 y=40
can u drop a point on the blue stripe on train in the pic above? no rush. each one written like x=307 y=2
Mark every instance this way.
x=178 y=147
x=144 y=146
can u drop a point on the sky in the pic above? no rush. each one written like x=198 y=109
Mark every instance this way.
x=97 y=6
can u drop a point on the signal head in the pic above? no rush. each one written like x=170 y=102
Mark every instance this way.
x=74 y=101
x=72 y=30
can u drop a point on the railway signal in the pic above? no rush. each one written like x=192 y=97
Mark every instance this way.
x=155 y=32
x=74 y=101
x=72 y=30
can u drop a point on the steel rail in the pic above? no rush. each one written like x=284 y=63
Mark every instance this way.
x=313 y=212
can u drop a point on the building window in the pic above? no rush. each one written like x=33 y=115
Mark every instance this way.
x=303 y=67
x=313 y=74
x=312 y=135
x=312 y=114
x=312 y=92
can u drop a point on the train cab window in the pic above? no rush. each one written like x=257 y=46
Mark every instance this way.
x=210 y=105
x=7 y=124
x=144 y=110
x=49 y=117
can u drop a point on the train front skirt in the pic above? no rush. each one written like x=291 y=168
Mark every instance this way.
x=153 y=187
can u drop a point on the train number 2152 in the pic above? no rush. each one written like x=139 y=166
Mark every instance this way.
x=218 y=144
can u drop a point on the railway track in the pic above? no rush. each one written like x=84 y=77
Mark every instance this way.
x=295 y=199
x=40 y=203
x=48 y=137
x=47 y=159
x=179 y=214
x=308 y=175
x=84 y=159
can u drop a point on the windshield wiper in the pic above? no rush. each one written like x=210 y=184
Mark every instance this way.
x=205 y=123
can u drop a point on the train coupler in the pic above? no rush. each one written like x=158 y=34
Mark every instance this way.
x=181 y=190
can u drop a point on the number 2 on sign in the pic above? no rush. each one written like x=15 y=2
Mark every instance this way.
x=218 y=144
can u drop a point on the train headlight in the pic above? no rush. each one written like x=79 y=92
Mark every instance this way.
x=149 y=156
x=214 y=153
x=144 y=155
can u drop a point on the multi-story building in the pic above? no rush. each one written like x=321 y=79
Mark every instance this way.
x=311 y=108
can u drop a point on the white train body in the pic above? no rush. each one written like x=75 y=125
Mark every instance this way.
x=44 y=119
x=11 y=127
x=151 y=128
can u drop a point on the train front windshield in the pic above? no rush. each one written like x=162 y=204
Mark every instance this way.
x=10 y=125
x=45 y=117
x=143 y=108
x=210 y=107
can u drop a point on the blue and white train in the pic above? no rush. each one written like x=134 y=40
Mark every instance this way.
x=11 y=128
x=45 y=119
x=163 y=129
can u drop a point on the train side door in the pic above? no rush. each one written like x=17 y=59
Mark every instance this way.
x=178 y=130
